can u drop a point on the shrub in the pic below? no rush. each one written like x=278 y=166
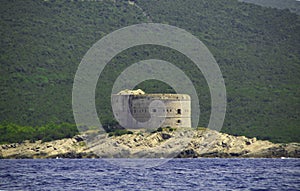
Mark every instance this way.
x=161 y=129
x=11 y=133
x=119 y=132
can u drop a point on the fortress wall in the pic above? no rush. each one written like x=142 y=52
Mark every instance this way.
x=176 y=113
x=121 y=112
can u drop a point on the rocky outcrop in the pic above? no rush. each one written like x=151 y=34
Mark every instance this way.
x=65 y=148
x=180 y=143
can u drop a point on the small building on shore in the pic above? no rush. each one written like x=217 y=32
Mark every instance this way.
x=136 y=109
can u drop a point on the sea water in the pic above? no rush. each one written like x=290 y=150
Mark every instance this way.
x=175 y=174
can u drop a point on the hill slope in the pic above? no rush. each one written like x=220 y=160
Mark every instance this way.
x=256 y=48
x=292 y=5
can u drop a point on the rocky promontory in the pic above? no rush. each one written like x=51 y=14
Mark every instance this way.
x=183 y=143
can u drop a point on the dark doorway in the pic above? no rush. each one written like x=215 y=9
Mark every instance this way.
x=178 y=111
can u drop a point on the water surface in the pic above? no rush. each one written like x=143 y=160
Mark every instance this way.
x=176 y=174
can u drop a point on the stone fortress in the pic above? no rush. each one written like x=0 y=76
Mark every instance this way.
x=136 y=109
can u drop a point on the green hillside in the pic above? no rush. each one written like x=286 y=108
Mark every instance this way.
x=257 y=49
x=292 y=5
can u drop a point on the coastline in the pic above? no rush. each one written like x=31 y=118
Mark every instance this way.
x=201 y=143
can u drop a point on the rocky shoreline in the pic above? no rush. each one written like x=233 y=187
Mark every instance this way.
x=186 y=143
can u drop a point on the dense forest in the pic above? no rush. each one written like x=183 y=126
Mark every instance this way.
x=292 y=5
x=257 y=49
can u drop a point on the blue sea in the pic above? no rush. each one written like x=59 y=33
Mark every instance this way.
x=175 y=174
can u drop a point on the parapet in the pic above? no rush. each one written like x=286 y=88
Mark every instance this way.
x=131 y=92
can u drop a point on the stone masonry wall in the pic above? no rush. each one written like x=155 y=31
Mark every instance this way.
x=135 y=111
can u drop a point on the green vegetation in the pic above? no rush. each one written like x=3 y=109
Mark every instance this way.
x=161 y=129
x=257 y=49
x=119 y=132
x=292 y=5
x=11 y=133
